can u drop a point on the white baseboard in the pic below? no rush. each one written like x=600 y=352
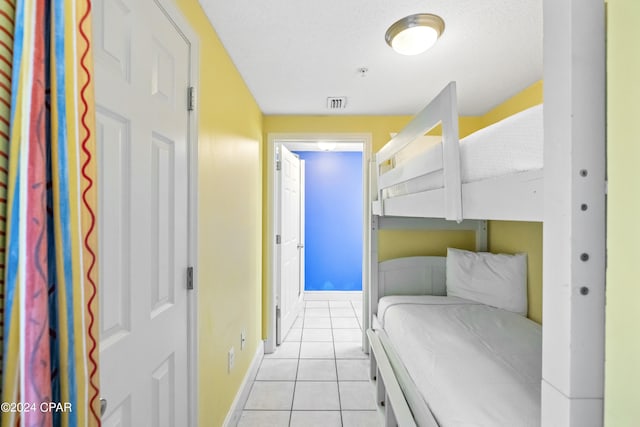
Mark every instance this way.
x=333 y=295
x=235 y=412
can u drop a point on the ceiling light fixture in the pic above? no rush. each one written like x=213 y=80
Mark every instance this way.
x=414 y=34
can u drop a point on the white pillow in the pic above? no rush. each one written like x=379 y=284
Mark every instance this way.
x=498 y=280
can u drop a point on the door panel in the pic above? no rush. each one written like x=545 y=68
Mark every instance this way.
x=113 y=30
x=141 y=65
x=164 y=393
x=291 y=243
x=115 y=209
x=163 y=248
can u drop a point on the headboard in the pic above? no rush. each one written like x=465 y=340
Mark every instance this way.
x=419 y=275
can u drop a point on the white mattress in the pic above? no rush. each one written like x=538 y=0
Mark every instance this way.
x=512 y=145
x=474 y=365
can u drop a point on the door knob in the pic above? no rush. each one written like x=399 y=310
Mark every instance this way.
x=300 y=246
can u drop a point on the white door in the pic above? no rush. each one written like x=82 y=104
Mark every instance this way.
x=291 y=289
x=141 y=66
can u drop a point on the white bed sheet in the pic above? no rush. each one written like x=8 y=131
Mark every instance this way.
x=512 y=145
x=474 y=365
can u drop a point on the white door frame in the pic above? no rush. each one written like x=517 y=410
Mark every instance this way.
x=273 y=140
x=183 y=27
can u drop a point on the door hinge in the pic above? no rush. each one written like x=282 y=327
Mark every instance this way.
x=278 y=165
x=278 y=238
x=190 y=278
x=191 y=98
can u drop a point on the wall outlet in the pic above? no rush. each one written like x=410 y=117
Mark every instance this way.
x=231 y=359
x=243 y=339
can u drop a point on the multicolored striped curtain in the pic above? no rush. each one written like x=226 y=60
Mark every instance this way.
x=48 y=228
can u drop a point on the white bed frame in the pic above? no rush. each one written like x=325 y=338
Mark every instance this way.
x=514 y=196
x=419 y=275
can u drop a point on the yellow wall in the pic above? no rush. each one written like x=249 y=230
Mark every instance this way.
x=404 y=243
x=514 y=237
x=622 y=367
x=530 y=96
x=230 y=224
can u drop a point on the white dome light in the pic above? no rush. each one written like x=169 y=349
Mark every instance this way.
x=414 y=34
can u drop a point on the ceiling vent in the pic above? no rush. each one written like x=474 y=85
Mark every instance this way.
x=337 y=102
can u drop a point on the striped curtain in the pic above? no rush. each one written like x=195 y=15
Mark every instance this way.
x=48 y=229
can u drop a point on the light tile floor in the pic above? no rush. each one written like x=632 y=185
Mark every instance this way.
x=319 y=376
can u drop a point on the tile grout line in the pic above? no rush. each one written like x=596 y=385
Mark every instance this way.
x=356 y=314
x=295 y=380
x=335 y=364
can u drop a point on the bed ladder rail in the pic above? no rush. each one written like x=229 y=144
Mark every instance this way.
x=442 y=109
x=396 y=408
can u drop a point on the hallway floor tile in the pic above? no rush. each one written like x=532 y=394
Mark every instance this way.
x=319 y=376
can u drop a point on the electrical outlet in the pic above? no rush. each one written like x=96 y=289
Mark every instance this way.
x=243 y=339
x=231 y=359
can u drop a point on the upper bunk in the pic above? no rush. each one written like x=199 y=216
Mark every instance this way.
x=495 y=173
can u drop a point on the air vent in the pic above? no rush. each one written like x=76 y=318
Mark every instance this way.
x=337 y=102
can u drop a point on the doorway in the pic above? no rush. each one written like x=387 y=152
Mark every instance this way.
x=333 y=220
x=305 y=143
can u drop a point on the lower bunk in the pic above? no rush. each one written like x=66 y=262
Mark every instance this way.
x=451 y=361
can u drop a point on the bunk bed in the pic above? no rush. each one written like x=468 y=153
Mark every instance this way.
x=440 y=356
x=494 y=173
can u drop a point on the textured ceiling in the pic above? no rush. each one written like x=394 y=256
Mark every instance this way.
x=293 y=54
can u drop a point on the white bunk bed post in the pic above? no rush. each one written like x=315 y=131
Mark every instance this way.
x=451 y=155
x=373 y=289
x=574 y=218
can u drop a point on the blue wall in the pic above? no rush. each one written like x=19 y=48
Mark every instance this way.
x=333 y=228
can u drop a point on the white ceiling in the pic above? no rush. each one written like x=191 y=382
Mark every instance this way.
x=293 y=54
